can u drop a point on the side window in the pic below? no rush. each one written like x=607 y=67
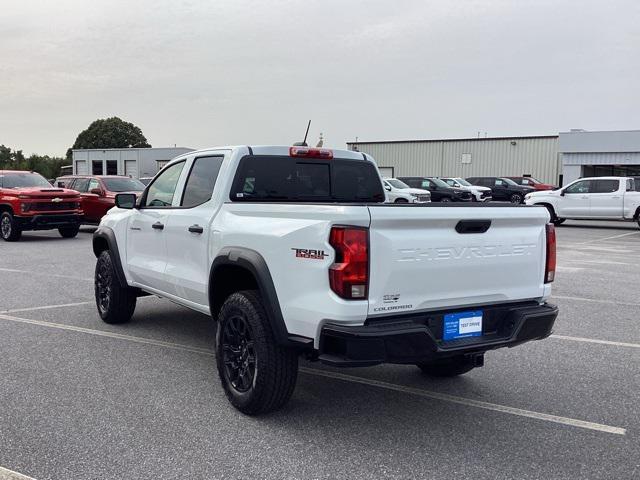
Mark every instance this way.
x=606 y=186
x=202 y=179
x=450 y=182
x=93 y=183
x=426 y=184
x=81 y=185
x=499 y=182
x=160 y=192
x=583 y=186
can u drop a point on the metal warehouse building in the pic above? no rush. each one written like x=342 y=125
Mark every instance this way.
x=134 y=162
x=556 y=159
x=536 y=156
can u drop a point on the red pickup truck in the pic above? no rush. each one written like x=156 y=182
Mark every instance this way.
x=29 y=202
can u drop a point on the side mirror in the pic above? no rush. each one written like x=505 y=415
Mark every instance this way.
x=126 y=200
x=562 y=193
x=387 y=188
x=96 y=191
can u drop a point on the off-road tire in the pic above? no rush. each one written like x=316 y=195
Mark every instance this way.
x=401 y=200
x=9 y=230
x=447 y=367
x=116 y=302
x=69 y=232
x=516 y=198
x=275 y=368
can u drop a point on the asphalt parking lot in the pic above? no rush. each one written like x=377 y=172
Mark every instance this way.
x=80 y=399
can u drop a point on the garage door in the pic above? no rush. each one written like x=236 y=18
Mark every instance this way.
x=386 y=172
x=131 y=168
x=81 y=167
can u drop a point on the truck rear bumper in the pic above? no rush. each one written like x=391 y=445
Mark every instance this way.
x=48 y=222
x=418 y=338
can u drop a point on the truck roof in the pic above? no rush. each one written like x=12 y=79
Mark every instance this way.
x=281 y=150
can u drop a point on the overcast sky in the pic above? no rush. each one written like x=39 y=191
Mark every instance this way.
x=217 y=72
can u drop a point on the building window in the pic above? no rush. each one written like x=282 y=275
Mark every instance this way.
x=96 y=167
x=161 y=164
x=112 y=167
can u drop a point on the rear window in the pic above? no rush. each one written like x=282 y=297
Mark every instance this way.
x=288 y=179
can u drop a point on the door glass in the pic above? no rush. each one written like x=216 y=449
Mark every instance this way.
x=583 y=186
x=199 y=186
x=93 y=184
x=606 y=186
x=81 y=185
x=161 y=191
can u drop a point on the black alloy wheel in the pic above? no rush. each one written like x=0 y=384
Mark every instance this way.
x=238 y=353
x=103 y=282
x=516 y=199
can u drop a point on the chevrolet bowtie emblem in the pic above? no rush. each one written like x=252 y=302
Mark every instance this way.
x=56 y=200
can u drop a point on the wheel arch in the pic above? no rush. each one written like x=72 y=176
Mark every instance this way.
x=105 y=239
x=239 y=268
x=5 y=207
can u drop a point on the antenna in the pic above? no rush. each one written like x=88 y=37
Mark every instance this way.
x=304 y=142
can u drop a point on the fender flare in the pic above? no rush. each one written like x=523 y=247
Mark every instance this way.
x=255 y=264
x=105 y=234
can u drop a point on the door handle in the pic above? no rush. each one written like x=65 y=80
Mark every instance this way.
x=157 y=226
x=196 y=229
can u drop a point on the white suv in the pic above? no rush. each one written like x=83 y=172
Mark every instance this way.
x=480 y=194
x=400 y=192
x=294 y=252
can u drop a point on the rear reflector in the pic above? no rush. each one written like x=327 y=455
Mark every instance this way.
x=307 y=152
x=349 y=274
x=550 y=266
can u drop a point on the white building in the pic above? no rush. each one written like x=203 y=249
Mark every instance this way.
x=134 y=162
x=598 y=154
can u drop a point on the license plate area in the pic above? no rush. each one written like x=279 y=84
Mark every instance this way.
x=462 y=325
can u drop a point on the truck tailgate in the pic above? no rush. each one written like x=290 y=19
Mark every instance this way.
x=431 y=257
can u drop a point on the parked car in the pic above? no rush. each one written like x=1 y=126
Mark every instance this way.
x=440 y=191
x=480 y=194
x=608 y=198
x=29 y=202
x=400 y=192
x=503 y=189
x=294 y=253
x=98 y=192
x=532 y=182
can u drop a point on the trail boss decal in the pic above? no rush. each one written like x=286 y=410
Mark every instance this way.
x=310 y=254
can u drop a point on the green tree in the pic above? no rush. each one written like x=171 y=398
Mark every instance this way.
x=110 y=133
x=48 y=167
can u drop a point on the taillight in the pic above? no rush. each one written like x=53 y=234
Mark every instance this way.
x=550 y=265
x=349 y=274
x=307 y=152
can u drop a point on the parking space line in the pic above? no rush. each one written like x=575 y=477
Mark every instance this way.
x=468 y=402
x=45 y=307
x=349 y=378
x=42 y=274
x=594 y=340
x=595 y=300
x=607 y=238
x=102 y=333
x=6 y=474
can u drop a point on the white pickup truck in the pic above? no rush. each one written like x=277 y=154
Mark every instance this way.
x=604 y=198
x=293 y=252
